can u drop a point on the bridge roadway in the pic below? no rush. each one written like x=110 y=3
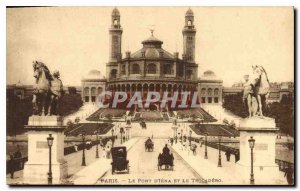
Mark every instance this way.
x=143 y=168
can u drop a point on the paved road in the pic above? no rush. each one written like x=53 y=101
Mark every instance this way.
x=143 y=168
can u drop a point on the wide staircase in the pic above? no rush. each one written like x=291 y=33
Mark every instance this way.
x=215 y=130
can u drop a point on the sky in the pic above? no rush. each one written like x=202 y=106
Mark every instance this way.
x=74 y=40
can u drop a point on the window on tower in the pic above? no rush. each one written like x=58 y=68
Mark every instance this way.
x=203 y=91
x=135 y=69
x=216 y=92
x=189 y=74
x=113 y=73
x=151 y=68
x=209 y=92
x=116 y=22
x=123 y=69
x=115 y=46
x=168 y=69
x=189 y=23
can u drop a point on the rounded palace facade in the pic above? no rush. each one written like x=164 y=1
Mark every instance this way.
x=151 y=68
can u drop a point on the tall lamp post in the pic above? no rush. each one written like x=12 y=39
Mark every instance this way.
x=190 y=143
x=83 y=149
x=97 y=143
x=176 y=135
x=112 y=137
x=181 y=136
x=219 y=161
x=205 y=153
x=251 y=145
x=50 y=143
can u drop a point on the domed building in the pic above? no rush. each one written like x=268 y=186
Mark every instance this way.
x=92 y=85
x=152 y=68
x=210 y=88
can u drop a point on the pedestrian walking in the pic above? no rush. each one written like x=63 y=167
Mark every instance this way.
x=237 y=156
x=12 y=166
x=171 y=140
x=227 y=153
x=289 y=174
x=18 y=162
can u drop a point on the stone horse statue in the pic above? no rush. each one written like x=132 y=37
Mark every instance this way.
x=257 y=85
x=48 y=89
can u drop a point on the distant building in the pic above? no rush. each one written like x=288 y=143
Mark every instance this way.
x=92 y=85
x=19 y=90
x=210 y=88
x=152 y=68
x=277 y=90
x=23 y=91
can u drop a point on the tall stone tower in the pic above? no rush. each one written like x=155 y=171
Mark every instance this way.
x=115 y=33
x=189 y=33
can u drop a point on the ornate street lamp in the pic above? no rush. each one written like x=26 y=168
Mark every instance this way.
x=190 y=137
x=112 y=137
x=219 y=161
x=251 y=145
x=97 y=143
x=50 y=143
x=205 y=153
x=83 y=149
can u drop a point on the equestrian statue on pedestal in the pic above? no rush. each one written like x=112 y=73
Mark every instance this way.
x=47 y=91
x=256 y=87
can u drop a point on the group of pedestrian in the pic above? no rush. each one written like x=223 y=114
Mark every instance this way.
x=228 y=153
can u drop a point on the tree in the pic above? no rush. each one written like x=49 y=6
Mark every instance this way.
x=235 y=104
x=17 y=114
x=19 y=110
x=284 y=115
x=72 y=90
x=282 y=112
x=69 y=103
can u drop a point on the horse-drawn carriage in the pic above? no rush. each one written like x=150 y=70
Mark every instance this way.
x=167 y=160
x=149 y=145
x=119 y=159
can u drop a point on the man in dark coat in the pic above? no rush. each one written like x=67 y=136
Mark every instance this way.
x=166 y=150
x=227 y=153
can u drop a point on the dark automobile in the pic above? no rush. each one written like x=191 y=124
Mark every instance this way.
x=119 y=159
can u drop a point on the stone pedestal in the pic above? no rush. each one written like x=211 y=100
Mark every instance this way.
x=264 y=131
x=37 y=167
